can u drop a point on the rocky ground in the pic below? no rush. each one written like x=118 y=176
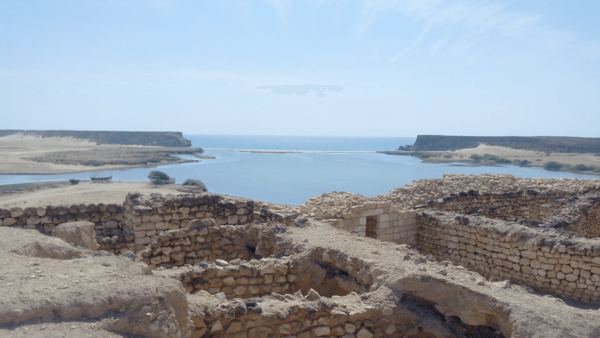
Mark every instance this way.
x=333 y=205
x=53 y=289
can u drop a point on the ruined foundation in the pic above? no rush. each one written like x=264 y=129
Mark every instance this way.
x=427 y=260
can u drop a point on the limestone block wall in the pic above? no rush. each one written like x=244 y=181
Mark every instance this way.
x=108 y=219
x=149 y=216
x=588 y=225
x=392 y=224
x=244 y=279
x=292 y=316
x=201 y=241
x=526 y=204
x=559 y=264
x=256 y=278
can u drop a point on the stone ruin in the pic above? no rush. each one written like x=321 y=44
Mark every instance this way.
x=437 y=258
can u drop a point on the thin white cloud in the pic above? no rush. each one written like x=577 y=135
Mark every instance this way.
x=414 y=43
x=474 y=18
x=302 y=90
x=282 y=7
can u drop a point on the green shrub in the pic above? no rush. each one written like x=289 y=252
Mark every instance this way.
x=503 y=161
x=195 y=183
x=424 y=155
x=524 y=163
x=158 y=177
x=491 y=158
x=476 y=158
x=554 y=166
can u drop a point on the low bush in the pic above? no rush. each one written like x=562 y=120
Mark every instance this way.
x=490 y=158
x=476 y=158
x=503 y=161
x=553 y=166
x=158 y=177
x=424 y=155
x=195 y=183
x=523 y=163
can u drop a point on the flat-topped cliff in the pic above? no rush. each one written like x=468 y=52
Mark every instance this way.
x=534 y=143
x=140 y=138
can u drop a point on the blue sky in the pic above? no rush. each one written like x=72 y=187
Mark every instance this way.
x=406 y=67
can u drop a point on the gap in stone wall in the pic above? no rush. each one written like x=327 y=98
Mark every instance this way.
x=371 y=227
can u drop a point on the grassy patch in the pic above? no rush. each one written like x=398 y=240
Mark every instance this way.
x=13 y=187
x=556 y=166
x=487 y=158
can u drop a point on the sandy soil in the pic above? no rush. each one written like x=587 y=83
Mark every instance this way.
x=36 y=155
x=84 y=192
x=535 y=157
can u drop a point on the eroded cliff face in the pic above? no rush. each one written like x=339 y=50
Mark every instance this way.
x=536 y=143
x=140 y=138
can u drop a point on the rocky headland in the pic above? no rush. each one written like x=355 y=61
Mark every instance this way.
x=573 y=154
x=138 y=138
x=550 y=144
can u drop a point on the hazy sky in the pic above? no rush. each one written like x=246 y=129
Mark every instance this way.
x=405 y=67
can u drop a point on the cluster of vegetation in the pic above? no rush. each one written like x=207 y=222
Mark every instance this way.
x=195 y=183
x=556 y=166
x=423 y=155
x=158 y=177
x=523 y=163
x=490 y=158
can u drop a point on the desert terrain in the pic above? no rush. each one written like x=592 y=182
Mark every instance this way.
x=29 y=154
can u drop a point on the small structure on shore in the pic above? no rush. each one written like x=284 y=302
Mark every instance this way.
x=105 y=179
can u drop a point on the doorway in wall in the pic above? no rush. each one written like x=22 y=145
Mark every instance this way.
x=371 y=230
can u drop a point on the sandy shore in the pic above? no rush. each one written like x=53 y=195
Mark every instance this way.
x=84 y=192
x=36 y=155
x=288 y=151
x=536 y=158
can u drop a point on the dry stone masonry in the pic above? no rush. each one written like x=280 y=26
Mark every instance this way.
x=244 y=277
x=538 y=232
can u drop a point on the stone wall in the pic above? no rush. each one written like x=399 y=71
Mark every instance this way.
x=139 y=221
x=200 y=241
x=556 y=262
x=582 y=216
x=149 y=216
x=256 y=278
x=392 y=224
x=240 y=279
x=108 y=219
x=292 y=315
x=529 y=204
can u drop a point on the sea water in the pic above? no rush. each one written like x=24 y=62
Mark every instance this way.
x=292 y=178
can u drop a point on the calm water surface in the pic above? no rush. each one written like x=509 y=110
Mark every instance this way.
x=294 y=178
